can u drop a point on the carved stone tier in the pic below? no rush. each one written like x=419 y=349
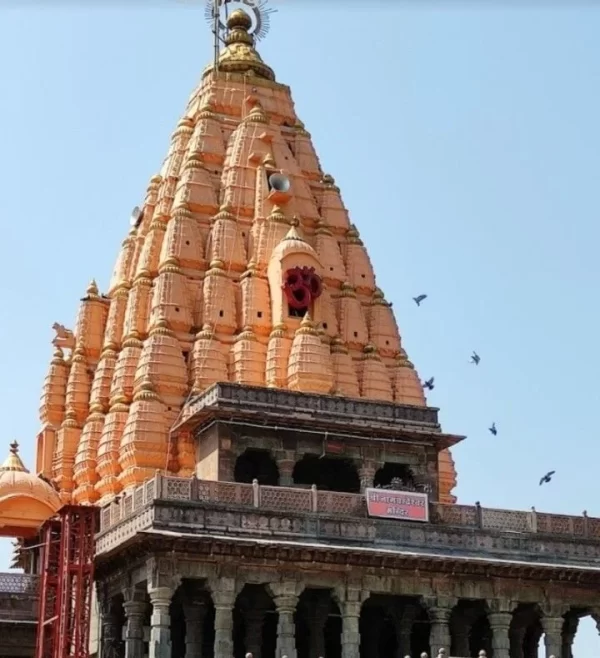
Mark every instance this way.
x=327 y=412
x=302 y=524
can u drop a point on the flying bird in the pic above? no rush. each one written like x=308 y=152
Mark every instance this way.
x=493 y=429
x=547 y=477
x=429 y=384
x=475 y=358
x=419 y=299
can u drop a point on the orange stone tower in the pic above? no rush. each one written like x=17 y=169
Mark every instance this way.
x=239 y=405
x=243 y=266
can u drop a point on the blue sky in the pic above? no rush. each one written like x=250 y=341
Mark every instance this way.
x=465 y=140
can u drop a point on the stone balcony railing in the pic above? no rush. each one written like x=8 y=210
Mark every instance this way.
x=18 y=597
x=313 y=503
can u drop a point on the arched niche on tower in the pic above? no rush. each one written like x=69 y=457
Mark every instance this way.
x=295 y=281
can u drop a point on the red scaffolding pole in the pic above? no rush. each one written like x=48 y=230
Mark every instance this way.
x=67 y=583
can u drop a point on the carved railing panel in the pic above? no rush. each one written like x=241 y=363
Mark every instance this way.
x=18 y=596
x=285 y=499
x=333 y=503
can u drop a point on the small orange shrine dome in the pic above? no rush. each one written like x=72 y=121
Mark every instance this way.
x=26 y=500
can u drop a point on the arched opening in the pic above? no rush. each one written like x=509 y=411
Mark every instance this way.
x=470 y=629
x=192 y=620
x=328 y=473
x=525 y=631
x=394 y=476
x=254 y=623
x=481 y=637
x=393 y=626
x=256 y=464
x=318 y=625
x=580 y=635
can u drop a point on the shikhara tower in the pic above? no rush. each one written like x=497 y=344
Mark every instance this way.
x=227 y=401
x=199 y=295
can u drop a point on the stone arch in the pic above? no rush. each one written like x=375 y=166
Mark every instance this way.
x=393 y=626
x=327 y=473
x=256 y=464
x=192 y=620
x=581 y=625
x=254 y=623
x=525 y=631
x=318 y=624
x=470 y=628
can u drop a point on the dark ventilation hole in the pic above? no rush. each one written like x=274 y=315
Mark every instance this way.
x=221 y=314
x=331 y=269
x=177 y=309
x=187 y=242
x=259 y=314
x=364 y=276
x=387 y=342
x=324 y=325
x=185 y=355
x=356 y=334
x=168 y=408
x=243 y=234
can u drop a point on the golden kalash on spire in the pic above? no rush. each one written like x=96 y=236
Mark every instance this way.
x=242 y=265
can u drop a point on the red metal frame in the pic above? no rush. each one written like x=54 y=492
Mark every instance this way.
x=67 y=584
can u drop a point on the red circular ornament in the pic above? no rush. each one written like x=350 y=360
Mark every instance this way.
x=302 y=285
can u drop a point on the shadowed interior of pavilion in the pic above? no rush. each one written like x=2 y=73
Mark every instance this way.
x=390 y=626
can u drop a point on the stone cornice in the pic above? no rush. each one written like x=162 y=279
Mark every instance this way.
x=358 y=541
x=326 y=412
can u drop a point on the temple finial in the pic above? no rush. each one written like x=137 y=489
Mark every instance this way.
x=14 y=448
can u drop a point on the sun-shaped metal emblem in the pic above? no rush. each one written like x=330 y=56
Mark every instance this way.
x=258 y=10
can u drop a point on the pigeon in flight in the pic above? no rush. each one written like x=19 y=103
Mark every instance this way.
x=419 y=299
x=475 y=358
x=547 y=477
x=429 y=384
x=493 y=429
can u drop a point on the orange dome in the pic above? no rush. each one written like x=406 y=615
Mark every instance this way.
x=26 y=501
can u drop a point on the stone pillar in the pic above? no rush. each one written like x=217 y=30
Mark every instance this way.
x=110 y=643
x=553 y=635
x=286 y=603
x=194 y=613
x=440 y=629
x=500 y=623
x=366 y=474
x=352 y=599
x=135 y=612
x=224 y=600
x=160 y=622
x=404 y=636
x=254 y=627
x=285 y=464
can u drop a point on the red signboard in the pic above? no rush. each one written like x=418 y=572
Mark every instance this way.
x=402 y=505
